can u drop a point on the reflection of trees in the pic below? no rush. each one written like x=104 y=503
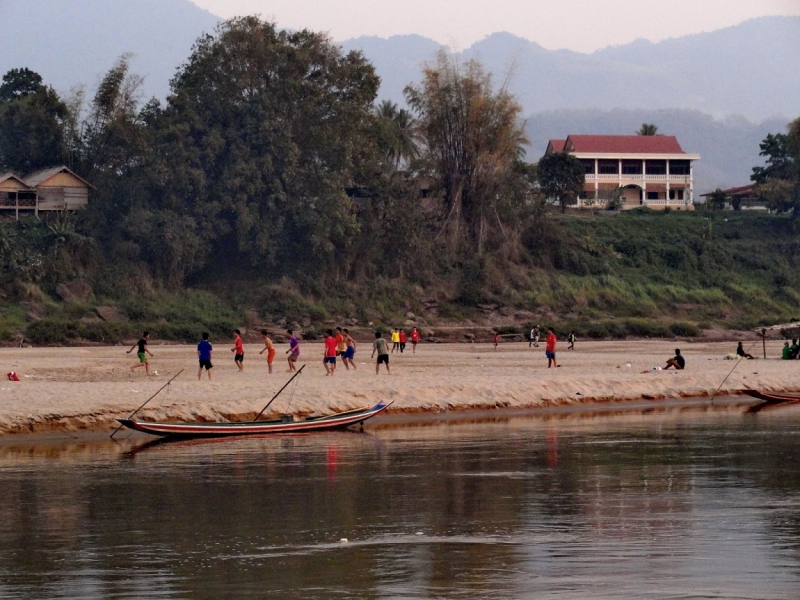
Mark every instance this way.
x=267 y=515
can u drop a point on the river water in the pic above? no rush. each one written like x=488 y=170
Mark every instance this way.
x=681 y=504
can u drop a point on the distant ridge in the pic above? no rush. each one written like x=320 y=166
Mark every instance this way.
x=72 y=42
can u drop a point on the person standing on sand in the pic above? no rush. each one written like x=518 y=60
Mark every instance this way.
x=350 y=352
x=530 y=337
x=269 y=348
x=550 y=348
x=395 y=340
x=403 y=340
x=535 y=336
x=238 y=349
x=571 y=340
x=329 y=354
x=496 y=340
x=142 y=353
x=341 y=346
x=414 y=339
x=204 y=350
x=678 y=362
x=293 y=351
x=379 y=346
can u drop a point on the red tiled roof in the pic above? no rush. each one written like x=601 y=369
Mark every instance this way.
x=743 y=190
x=558 y=145
x=624 y=144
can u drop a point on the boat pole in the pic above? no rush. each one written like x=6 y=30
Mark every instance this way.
x=150 y=398
x=279 y=393
x=714 y=395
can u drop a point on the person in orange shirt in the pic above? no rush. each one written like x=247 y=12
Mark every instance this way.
x=269 y=348
x=550 y=348
x=341 y=346
x=414 y=340
x=238 y=348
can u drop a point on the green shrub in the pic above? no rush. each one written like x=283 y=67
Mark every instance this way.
x=684 y=329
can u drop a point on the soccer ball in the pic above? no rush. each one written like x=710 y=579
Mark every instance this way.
x=155 y=373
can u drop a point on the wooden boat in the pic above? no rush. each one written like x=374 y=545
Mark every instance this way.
x=770 y=400
x=286 y=424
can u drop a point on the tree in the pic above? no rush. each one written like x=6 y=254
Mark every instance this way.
x=779 y=162
x=561 y=177
x=31 y=123
x=647 y=129
x=472 y=135
x=717 y=200
x=400 y=134
x=263 y=132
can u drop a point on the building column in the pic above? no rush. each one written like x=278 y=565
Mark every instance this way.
x=690 y=199
x=596 y=184
x=644 y=182
x=667 y=182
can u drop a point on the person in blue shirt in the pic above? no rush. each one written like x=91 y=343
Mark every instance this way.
x=204 y=354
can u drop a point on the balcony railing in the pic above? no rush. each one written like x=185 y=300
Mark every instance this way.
x=617 y=177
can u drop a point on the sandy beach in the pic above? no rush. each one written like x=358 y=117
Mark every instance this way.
x=73 y=389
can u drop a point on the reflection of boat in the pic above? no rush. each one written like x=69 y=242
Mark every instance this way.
x=286 y=424
x=770 y=400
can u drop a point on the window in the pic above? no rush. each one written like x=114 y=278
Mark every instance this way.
x=588 y=166
x=608 y=167
x=679 y=167
x=631 y=167
x=652 y=195
x=656 y=167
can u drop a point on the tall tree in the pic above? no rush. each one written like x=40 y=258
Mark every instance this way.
x=779 y=161
x=400 y=133
x=31 y=123
x=717 y=200
x=472 y=133
x=262 y=134
x=561 y=177
x=647 y=129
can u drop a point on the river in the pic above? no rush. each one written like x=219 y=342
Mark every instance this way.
x=675 y=504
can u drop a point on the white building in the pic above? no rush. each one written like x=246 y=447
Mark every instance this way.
x=648 y=170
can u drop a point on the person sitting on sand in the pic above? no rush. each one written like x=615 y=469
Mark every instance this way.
x=677 y=361
x=794 y=350
x=786 y=354
x=740 y=352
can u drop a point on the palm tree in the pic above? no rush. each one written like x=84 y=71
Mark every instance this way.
x=402 y=132
x=647 y=129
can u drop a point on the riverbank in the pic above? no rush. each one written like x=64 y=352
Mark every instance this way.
x=72 y=389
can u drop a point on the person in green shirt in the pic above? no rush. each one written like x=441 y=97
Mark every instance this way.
x=380 y=346
x=787 y=351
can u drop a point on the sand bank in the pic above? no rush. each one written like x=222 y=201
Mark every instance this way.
x=87 y=388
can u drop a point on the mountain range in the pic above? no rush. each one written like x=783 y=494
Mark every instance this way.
x=719 y=92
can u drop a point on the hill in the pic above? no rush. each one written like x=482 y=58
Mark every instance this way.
x=77 y=42
x=749 y=69
x=728 y=147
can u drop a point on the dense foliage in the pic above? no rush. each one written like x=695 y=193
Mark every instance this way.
x=272 y=182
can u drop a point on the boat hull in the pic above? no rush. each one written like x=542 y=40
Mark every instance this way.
x=197 y=430
x=770 y=400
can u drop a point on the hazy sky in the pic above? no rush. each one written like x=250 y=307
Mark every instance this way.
x=583 y=25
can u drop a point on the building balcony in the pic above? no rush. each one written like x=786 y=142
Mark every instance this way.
x=606 y=177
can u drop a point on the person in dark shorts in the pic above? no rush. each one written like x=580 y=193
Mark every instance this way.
x=678 y=362
x=293 y=351
x=496 y=340
x=238 y=349
x=350 y=352
x=571 y=340
x=142 y=353
x=329 y=354
x=380 y=346
x=415 y=337
x=204 y=349
x=403 y=340
x=550 y=348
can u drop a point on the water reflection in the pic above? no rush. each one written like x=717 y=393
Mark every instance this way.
x=676 y=504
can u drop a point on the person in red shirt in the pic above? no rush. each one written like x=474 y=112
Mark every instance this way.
x=414 y=339
x=403 y=340
x=550 y=348
x=238 y=348
x=496 y=340
x=329 y=357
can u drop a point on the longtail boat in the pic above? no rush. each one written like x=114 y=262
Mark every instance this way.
x=286 y=424
x=770 y=400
